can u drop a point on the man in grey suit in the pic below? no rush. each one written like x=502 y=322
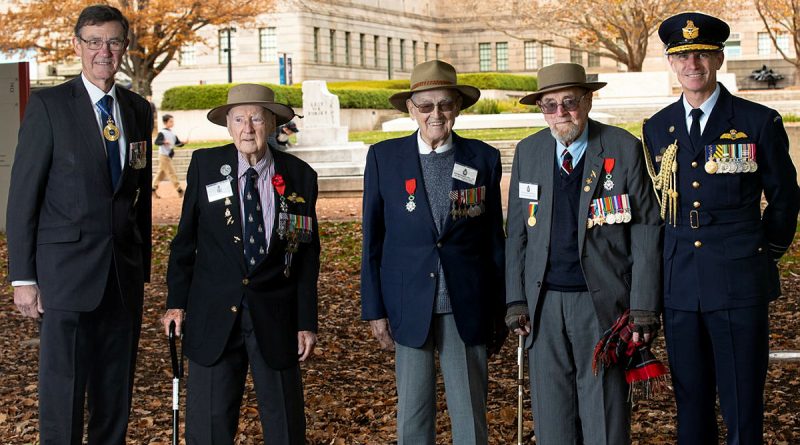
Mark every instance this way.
x=79 y=235
x=582 y=247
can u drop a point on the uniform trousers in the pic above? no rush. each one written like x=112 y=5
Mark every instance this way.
x=570 y=404
x=725 y=351
x=464 y=369
x=214 y=394
x=88 y=357
x=166 y=171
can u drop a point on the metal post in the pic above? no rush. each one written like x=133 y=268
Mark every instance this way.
x=230 y=68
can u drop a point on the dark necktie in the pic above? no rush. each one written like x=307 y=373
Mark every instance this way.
x=566 y=164
x=694 y=131
x=255 y=245
x=110 y=137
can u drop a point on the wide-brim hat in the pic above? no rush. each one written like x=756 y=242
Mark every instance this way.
x=559 y=76
x=251 y=94
x=435 y=75
x=693 y=31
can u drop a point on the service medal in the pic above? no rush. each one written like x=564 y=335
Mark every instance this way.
x=410 y=206
x=626 y=217
x=411 y=187
x=225 y=170
x=532 y=208
x=111 y=131
x=531 y=221
x=711 y=166
x=610 y=218
x=608 y=166
x=589 y=223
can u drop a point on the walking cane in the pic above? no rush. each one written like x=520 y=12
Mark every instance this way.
x=520 y=382
x=177 y=375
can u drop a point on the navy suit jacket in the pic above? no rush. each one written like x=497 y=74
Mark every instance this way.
x=402 y=249
x=732 y=265
x=65 y=221
x=208 y=277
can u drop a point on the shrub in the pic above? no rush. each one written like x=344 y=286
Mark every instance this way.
x=494 y=106
x=499 y=81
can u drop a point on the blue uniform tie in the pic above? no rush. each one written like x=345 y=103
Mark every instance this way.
x=106 y=105
x=255 y=241
x=694 y=132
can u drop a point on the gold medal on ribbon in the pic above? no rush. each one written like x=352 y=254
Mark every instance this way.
x=532 y=207
x=532 y=221
x=111 y=131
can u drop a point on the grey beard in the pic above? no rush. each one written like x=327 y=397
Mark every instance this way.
x=568 y=136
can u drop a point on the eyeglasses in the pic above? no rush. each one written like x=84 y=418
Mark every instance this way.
x=444 y=106
x=96 y=44
x=569 y=104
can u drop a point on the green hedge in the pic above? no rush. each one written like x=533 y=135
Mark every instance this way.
x=363 y=94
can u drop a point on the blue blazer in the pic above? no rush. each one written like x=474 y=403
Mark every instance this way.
x=402 y=249
x=732 y=265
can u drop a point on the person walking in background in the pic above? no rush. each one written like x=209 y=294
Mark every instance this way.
x=166 y=141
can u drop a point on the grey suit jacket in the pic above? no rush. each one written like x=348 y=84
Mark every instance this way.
x=65 y=223
x=621 y=262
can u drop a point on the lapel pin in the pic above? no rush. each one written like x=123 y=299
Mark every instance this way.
x=225 y=170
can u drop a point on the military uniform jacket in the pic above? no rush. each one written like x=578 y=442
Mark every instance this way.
x=720 y=254
x=65 y=222
x=402 y=249
x=621 y=262
x=208 y=277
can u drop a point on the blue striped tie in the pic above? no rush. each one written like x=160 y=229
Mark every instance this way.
x=106 y=105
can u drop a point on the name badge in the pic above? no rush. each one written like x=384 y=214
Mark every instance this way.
x=219 y=190
x=529 y=191
x=465 y=174
x=137 y=155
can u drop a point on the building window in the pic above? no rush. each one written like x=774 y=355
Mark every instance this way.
x=437 y=51
x=375 y=43
x=402 y=54
x=332 y=46
x=733 y=46
x=414 y=52
x=530 y=55
x=267 y=45
x=548 y=55
x=223 y=45
x=362 y=57
x=764 y=45
x=316 y=45
x=502 y=56
x=594 y=60
x=783 y=41
x=425 y=51
x=347 y=48
x=575 y=56
x=187 y=56
x=485 y=56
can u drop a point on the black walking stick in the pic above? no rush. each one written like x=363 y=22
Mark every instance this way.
x=177 y=375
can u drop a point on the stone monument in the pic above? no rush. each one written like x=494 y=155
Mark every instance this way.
x=323 y=142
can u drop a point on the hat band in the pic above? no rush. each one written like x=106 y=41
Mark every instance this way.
x=693 y=47
x=564 y=84
x=426 y=83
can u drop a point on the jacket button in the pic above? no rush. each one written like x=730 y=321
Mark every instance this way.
x=694 y=164
x=234 y=309
x=433 y=275
x=538 y=284
x=696 y=204
x=439 y=245
x=698 y=244
x=696 y=184
x=245 y=281
x=760 y=249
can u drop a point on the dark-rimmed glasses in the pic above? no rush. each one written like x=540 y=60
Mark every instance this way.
x=569 y=104
x=444 y=106
x=96 y=44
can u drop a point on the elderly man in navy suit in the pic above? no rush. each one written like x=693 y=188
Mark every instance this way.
x=432 y=263
x=716 y=155
x=79 y=235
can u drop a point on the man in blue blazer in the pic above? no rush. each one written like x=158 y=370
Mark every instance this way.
x=432 y=262
x=716 y=154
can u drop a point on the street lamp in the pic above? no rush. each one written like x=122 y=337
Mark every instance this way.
x=229 y=50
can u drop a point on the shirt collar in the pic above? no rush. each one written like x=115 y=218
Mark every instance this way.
x=95 y=94
x=424 y=148
x=261 y=166
x=577 y=148
x=706 y=106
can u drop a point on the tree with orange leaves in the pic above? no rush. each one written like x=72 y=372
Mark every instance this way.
x=779 y=17
x=158 y=29
x=614 y=29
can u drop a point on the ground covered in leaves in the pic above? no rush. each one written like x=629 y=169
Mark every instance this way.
x=349 y=384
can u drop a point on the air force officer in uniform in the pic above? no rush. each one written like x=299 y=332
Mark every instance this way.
x=716 y=154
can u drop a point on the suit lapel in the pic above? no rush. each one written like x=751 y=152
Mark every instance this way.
x=593 y=175
x=463 y=155
x=719 y=121
x=677 y=118
x=128 y=115
x=86 y=125
x=409 y=166
x=280 y=169
x=543 y=161
x=233 y=231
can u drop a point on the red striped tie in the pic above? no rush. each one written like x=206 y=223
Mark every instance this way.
x=566 y=164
